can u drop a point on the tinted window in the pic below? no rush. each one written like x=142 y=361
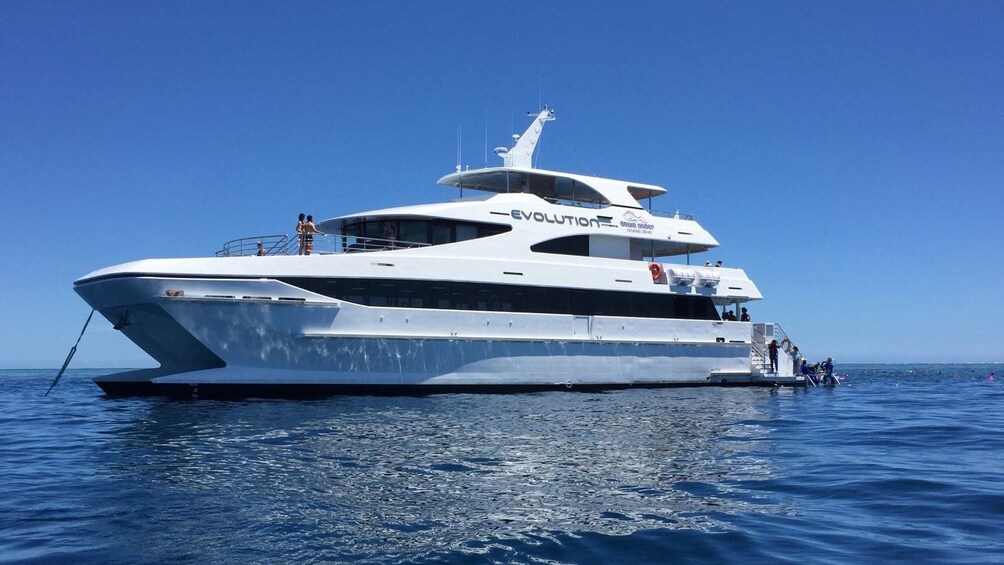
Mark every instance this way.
x=571 y=245
x=414 y=231
x=509 y=298
x=374 y=234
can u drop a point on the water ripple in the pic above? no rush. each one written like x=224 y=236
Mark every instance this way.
x=871 y=471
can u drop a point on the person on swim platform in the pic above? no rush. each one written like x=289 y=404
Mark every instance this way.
x=828 y=371
x=772 y=352
x=809 y=371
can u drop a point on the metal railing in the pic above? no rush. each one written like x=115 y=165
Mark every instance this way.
x=574 y=203
x=758 y=353
x=281 y=244
x=277 y=244
x=676 y=215
x=779 y=332
x=759 y=343
x=358 y=244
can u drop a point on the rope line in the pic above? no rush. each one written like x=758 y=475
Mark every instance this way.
x=70 y=355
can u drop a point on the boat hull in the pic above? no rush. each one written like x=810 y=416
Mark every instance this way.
x=212 y=387
x=263 y=338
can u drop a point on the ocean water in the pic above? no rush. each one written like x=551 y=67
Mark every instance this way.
x=901 y=464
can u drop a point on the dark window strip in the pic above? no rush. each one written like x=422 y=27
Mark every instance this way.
x=451 y=295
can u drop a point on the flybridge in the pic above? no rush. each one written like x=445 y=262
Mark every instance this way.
x=517 y=174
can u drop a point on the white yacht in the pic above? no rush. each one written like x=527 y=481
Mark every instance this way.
x=531 y=280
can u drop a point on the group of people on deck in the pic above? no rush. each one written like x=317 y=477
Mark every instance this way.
x=730 y=316
x=802 y=366
x=305 y=230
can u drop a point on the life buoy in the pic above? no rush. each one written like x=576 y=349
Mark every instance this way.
x=656 y=270
x=787 y=346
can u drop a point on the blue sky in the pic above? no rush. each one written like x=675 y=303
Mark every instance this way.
x=848 y=155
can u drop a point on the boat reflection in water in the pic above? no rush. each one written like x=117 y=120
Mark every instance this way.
x=457 y=473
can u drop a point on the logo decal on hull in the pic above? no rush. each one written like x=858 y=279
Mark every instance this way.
x=636 y=223
x=545 y=218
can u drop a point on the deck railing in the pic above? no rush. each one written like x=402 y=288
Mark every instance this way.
x=281 y=244
x=277 y=244
x=676 y=215
x=357 y=244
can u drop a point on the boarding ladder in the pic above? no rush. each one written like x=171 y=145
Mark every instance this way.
x=763 y=333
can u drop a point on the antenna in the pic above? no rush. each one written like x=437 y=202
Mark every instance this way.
x=460 y=136
x=486 y=138
x=540 y=88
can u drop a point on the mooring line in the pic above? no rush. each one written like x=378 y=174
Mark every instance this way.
x=70 y=356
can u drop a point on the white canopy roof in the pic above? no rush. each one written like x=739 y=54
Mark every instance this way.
x=554 y=185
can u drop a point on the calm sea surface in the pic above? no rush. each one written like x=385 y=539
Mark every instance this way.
x=901 y=464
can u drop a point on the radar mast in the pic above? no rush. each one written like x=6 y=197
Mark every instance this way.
x=521 y=154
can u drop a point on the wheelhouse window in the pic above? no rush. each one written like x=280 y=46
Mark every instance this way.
x=399 y=233
x=554 y=189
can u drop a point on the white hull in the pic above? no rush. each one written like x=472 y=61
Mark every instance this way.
x=237 y=346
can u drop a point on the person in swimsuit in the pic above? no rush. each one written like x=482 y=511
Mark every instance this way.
x=299 y=235
x=309 y=229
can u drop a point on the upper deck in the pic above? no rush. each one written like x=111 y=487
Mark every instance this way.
x=554 y=186
x=532 y=210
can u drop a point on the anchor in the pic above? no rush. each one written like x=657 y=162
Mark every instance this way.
x=123 y=320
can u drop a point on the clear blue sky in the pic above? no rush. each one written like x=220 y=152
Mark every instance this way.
x=848 y=155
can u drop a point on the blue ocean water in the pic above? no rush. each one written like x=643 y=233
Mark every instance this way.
x=901 y=464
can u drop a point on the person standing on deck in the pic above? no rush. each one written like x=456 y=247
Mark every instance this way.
x=299 y=235
x=772 y=351
x=309 y=229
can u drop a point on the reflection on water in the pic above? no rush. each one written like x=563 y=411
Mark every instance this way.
x=451 y=471
x=897 y=463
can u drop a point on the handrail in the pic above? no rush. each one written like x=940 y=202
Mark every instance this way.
x=758 y=344
x=276 y=244
x=784 y=336
x=676 y=215
x=360 y=244
x=281 y=244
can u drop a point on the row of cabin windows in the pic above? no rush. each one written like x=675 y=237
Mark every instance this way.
x=508 y=298
x=428 y=232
